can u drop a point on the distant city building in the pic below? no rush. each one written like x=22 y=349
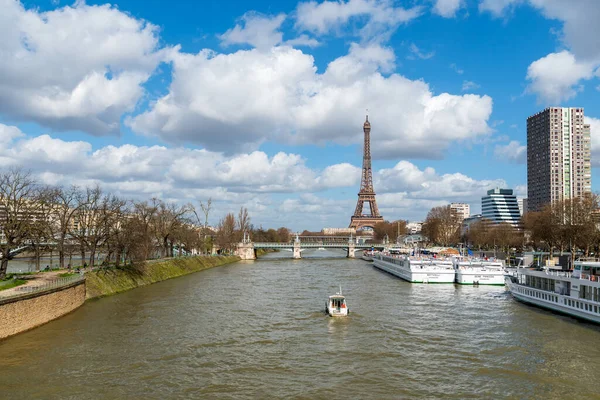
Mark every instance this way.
x=558 y=156
x=462 y=210
x=338 y=231
x=500 y=205
x=467 y=222
x=522 y=206
x=414 y=227
x=413 y=240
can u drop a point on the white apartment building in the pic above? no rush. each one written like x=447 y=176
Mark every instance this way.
x=338 y=231
x=414 y=227
x=522 y=206
x=462 y=210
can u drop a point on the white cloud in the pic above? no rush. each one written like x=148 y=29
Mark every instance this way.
x=420 y=54
x=513 y=152
x=377 y=18
x=498 y=7
x=454 y=68
x=254 y=180
x=340 y=175
x=262 y=32
x=408 y=192
x=302 y=40
x=360 y=63
x=9 y=133
x=580 y=20
x=427 y=184
x=74 y=68
x=556 y=77
x=257 y=30
x=469 y=86
x=447 y=8
x=520 y=191
x=170 y=168
x=252 y=96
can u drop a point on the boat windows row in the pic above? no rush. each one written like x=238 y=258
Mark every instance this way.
x=568 y=302
x=581 y=305
x=539 y=295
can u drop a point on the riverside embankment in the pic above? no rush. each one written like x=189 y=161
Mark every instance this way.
x=44 y=300
x=105 y=283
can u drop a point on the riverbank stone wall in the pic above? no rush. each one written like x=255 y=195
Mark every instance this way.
x=22 y=314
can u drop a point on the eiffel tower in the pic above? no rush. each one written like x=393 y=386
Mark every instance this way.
x=366 y=194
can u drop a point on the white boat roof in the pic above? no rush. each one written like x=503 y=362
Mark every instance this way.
x=337 y=296
x=590 y=263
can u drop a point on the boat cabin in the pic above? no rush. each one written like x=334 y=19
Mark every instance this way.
x=587 y=270
x=337 y=302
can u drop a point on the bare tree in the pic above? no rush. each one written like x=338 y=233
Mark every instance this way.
x=442 y=226
x=65 y=206
x=226 y=233
x=43 y=226
x=167 y=220
x=114 y=217
x=391 y=230
x=87 y=225
x=142 y=221
x=206 y=234
x=243 y=222
x=18 y=212
x=206 y=211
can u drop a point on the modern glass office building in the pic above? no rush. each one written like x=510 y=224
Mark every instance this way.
x=500 y=205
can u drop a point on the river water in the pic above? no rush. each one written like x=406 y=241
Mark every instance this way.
x=257 y=330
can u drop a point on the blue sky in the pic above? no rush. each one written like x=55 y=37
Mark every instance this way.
x=261 y=104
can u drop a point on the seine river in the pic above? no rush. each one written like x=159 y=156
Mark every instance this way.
x=257 y=330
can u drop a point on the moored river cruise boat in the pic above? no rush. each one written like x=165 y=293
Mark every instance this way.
x=575 y=293
x=479 y=272
x=415 y=269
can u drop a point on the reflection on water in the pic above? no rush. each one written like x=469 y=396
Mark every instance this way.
x=259 y=330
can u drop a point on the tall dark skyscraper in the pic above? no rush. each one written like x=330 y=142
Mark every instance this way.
x=558 y=156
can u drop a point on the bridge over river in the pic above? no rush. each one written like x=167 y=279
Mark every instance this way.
x=247 y=249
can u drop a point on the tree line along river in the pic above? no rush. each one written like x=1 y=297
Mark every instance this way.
x=257 y=330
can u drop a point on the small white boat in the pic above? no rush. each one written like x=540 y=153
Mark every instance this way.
x=368 y=255
x=336 y=305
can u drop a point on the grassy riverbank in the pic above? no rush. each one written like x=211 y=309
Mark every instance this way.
x=106 y=283
x=11 y=283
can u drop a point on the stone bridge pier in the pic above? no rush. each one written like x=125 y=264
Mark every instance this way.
x=297 y=251
x=245 y=249
x=351 y=249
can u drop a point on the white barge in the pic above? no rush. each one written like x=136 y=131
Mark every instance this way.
x=416 y=270
x=479 y=272
x=575 y=293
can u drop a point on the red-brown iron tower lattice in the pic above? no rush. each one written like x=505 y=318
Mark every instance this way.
x=366 y=194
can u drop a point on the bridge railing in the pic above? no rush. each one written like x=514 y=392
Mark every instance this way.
x=315 y=245
x=24 y=291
